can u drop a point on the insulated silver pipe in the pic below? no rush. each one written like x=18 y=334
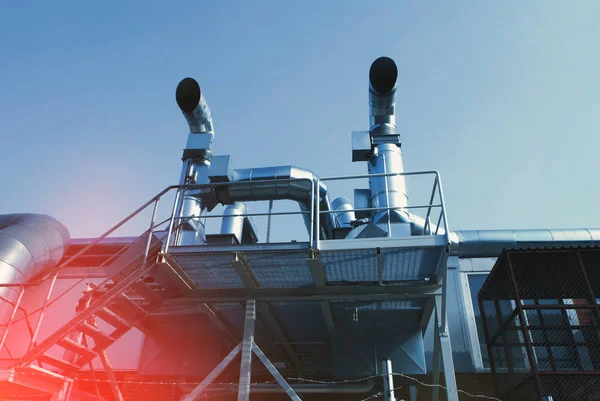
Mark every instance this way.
x=388 y=380
x=490 y=243
x=387 y=157
x=192 y=103
x=299 y=189
x=383 y=76
x=344 y=217
x=30 y=245
x=233 y=223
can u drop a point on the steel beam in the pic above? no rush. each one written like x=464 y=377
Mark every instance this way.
x=329 y=293
x=442 y=336
x=213 y=375
x=247 y=345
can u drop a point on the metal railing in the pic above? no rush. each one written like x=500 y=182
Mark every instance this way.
x=436 y=189
x=176 y=221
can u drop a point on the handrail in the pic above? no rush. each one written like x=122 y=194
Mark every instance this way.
x=314 y=213
x=436 y=188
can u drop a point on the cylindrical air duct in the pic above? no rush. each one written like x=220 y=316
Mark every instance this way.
x=387 y=157
x=192 y=103
x=233 y=222
x=295 y=184
x=344 y=215
x=30 y=245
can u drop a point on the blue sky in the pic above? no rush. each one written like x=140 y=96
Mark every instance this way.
x=503 y=98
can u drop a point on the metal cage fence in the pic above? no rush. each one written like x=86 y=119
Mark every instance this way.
x=541 y=315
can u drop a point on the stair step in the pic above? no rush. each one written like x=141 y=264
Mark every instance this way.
x=127 y=309
x=148 y=293
x=113 y=319
x=74 y=346
x=100 y=338
x=59 y=363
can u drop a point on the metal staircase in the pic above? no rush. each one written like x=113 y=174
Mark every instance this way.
x=120 y=302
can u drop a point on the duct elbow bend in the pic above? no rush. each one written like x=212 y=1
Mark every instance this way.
x=192 y=103
x=30 y=245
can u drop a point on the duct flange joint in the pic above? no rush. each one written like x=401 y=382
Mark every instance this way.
x=198 y=146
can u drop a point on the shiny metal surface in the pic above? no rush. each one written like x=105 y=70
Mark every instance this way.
x=233 y=224
x=386 y=157
x=490 y=243
x=388 y=191
x=30 y=245
x=345 y=217
x=383 y=76
x=259 y=188
x=196 y=156
x=193 y=105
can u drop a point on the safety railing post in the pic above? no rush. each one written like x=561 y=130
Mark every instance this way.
x=172 y=222
x=12 y=316
x=317 y=228
x=43 y=311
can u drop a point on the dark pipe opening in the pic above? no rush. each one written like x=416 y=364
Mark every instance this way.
x=383 y=75
x=188 y=94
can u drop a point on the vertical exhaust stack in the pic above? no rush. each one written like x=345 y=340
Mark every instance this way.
x=196 y=158
x=385 y=143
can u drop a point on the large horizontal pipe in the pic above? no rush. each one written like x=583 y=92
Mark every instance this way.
x=311 y=388
x=193 y=105
x=490 y=243
x=298 y=189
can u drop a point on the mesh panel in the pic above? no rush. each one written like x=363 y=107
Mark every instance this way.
x=557 y=339
x=566 y=387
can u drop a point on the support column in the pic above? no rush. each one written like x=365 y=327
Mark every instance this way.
x=442 y=336
x=388 y=380
x=247 y=344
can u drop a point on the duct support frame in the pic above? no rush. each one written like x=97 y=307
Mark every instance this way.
x=246 y=347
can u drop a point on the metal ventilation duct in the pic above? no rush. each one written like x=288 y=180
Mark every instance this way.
x=299 y=191
x=490 y=243
x=193 y=106
x=30 y=245
x=387 y=157
x=196 y=156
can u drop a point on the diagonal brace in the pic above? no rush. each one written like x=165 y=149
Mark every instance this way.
x=213 y=375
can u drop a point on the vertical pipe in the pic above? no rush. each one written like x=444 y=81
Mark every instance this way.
x=387 y=199
x=388 y=379
x=269 y=221
x=247 y=344
x=312 y=212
